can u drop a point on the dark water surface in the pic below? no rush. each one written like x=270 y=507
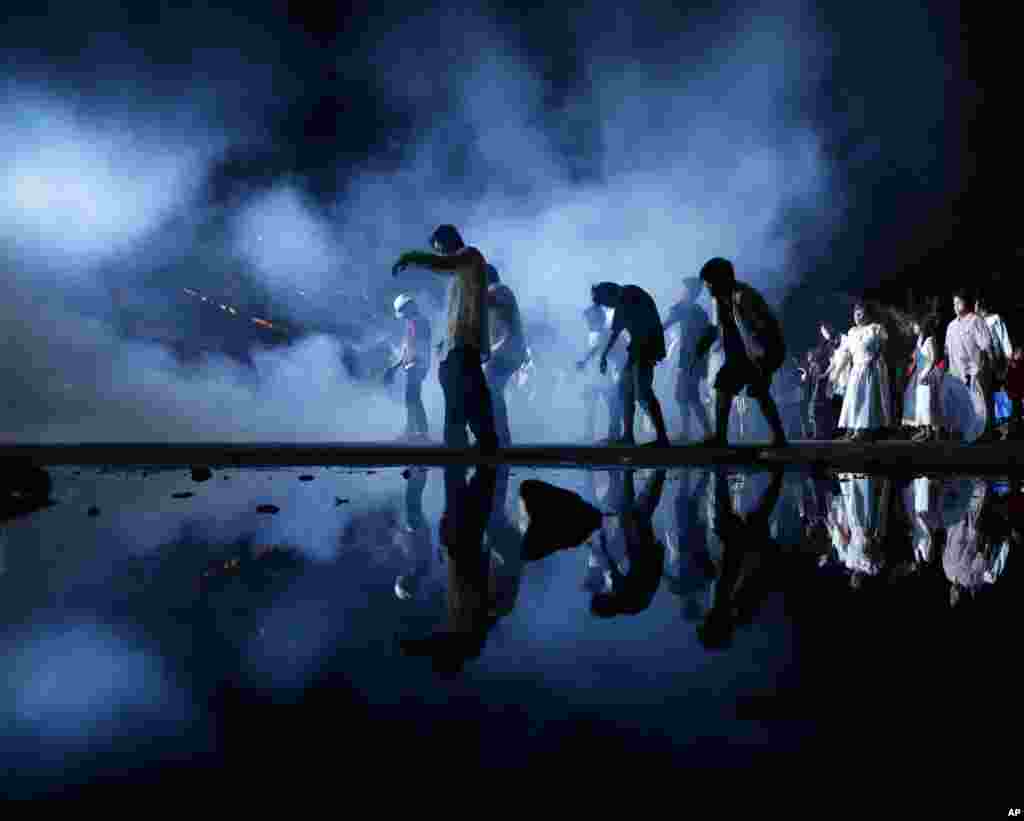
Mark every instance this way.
x=712 y=619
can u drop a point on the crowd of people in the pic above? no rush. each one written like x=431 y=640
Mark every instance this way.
x=963 y=376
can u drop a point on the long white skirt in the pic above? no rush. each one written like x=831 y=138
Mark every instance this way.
x=963 y=409
x=866 y=400
x=922 y=401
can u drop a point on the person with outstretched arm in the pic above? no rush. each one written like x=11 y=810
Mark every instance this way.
x=467 y=399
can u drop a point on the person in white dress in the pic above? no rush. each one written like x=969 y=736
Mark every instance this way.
x=859 y=368
x=858 y=523
x=922 y=397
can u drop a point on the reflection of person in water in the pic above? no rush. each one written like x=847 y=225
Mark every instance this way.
x=747 y=553
x=691 y=569
x=921 y=500
x=504 y=542
x=976 y=547
x=413 y=538
x=467 y=511
x=859 y=524
x=632 y=592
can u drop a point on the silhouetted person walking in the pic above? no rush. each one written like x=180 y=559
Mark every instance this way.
x=467 y=399
x=753 y=345
x=636 y=313
x=693 y=324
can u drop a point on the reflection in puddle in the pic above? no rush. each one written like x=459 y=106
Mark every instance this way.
x=608 y=592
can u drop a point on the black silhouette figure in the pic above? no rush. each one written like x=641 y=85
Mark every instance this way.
x=633 y=591
x=467 y=511
x=747 y=553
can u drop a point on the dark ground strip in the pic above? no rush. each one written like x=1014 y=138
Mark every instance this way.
x=882 y=457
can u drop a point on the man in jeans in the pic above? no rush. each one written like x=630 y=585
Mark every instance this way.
x=507 y=347
x=467 y=399
x=415 y=361
x=636 y=313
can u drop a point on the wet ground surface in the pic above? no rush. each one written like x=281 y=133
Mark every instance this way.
x=172 y=627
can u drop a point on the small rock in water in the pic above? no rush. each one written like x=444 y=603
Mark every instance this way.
x=306 y=477
x=183 y=495
x=201 y=474
x=268 y=509
x=93 y=511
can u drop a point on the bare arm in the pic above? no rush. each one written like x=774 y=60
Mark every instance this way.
x=446 y=264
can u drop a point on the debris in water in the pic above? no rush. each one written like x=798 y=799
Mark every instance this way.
x=268 y=509
x=183 y=495
x=201 y=474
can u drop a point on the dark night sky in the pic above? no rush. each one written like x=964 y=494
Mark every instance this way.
x=906 y=177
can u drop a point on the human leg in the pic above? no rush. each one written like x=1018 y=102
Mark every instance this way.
x=645 y=394
x=449 y=373
x=628 y=393
x=415 y=412
x=479 y=409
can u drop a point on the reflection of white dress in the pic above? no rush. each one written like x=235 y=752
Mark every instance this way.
x=921 y=398
x=860 y=522
x=858 y=367
x=922 y=502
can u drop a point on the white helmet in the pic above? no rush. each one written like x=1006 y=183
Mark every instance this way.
x=401 y=301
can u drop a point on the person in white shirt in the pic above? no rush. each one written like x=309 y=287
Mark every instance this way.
x=969 y=351
x=1002 y=348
